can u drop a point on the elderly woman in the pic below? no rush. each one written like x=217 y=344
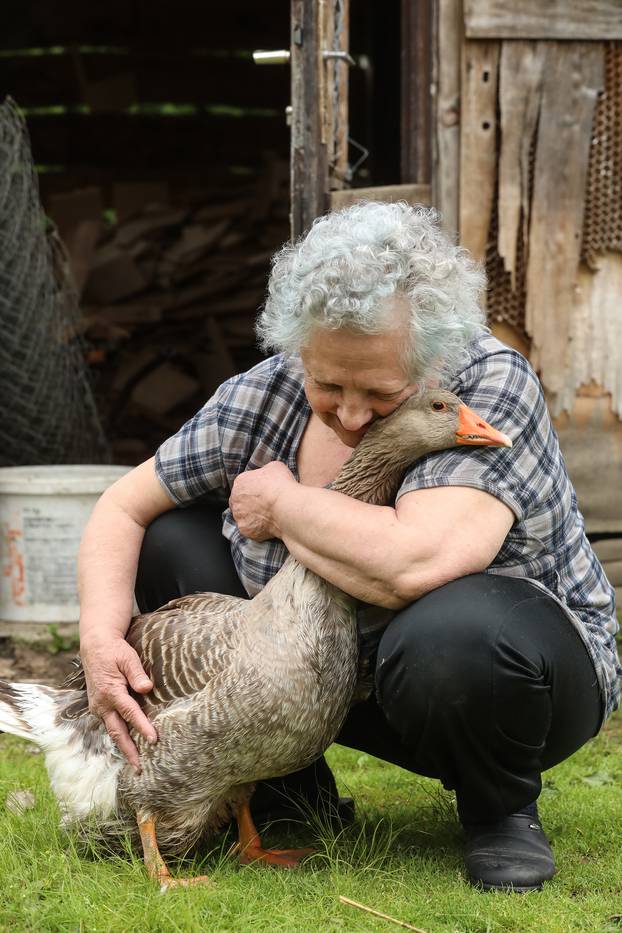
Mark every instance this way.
x=492 y=655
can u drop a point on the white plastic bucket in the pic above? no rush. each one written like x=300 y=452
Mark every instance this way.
x=43 y=511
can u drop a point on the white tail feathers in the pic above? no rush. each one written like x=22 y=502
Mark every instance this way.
x=11 y=722
x=26 y=710
x=83 y=774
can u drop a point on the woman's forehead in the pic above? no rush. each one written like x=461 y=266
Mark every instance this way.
x=334 y=355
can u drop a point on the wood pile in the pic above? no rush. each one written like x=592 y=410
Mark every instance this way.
x=169 y=288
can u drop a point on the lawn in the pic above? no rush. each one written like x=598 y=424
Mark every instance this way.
x=403 y=857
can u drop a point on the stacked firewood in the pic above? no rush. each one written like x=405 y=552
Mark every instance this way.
x=169 y=284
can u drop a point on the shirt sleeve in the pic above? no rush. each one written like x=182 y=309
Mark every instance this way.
x=189 y=465
x=243 y=425
x=502 y=388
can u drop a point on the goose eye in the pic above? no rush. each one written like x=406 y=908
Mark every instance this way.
x=439 y=406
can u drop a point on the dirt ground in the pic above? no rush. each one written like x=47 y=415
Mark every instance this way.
x=21 y=661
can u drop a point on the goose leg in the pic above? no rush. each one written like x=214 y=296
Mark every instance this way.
x=250 y=848
x=155 y=864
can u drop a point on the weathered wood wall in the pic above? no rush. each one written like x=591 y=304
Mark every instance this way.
x=535 y=19
x=540 y=202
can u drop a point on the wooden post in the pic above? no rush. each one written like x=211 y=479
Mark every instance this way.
x=309 y=161
x=448 y=34
x=339 y=77
x=416 y=120
x=478 y=150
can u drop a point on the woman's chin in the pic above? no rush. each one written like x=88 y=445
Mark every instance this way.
x=350 y=438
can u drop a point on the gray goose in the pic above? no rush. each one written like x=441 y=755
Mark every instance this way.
x=243 y=689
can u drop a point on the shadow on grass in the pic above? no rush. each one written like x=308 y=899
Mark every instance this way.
x=373 y=842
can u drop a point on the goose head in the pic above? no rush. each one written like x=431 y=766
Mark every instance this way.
x=432 y=420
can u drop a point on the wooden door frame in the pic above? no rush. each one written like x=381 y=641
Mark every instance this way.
x=309 y=156
x=313 y=150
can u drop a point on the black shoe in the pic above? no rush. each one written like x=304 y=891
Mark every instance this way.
x=512 y=854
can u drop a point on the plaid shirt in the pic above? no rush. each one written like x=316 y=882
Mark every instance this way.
x=260 y=416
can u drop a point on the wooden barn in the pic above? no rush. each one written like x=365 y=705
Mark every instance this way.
x=173 y=163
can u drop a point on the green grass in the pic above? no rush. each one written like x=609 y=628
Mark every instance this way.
x=403 y=858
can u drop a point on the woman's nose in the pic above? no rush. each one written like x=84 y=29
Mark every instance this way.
x=353 y=416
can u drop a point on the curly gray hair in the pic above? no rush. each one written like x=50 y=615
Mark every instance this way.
x=340 y=273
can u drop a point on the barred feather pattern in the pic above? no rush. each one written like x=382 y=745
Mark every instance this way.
x=243 y=689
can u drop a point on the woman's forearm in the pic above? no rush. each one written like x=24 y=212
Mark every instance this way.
x=110 y=549
x=107 y=563
x=357 y=546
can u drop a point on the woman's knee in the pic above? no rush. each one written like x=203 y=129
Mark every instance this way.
x=487 y=648
x=432 y=644
x=184 y=552
x=459 y=643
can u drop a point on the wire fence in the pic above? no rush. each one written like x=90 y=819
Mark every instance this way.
x=48 y=413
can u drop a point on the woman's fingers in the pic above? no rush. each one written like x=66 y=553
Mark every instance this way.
x=117 y=730
x=109 y=666
x=133 y=714
x=130 y=666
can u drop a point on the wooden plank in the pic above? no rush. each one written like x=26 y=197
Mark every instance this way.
x=148 y=23
x=416 y=78
x=337 y=74
x=309 y=158
x=552 y=19
x=127 y=141
x=595 y=351
x=520 y=89
x=343 y=85
x=326 y=24
x=414 y=194
x=182 y=78
x=447 y=42
x=610 y=550
x=591 y=441
x=573 y=77
x=478 y=147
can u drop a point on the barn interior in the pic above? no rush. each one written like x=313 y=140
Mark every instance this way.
x=161 y=153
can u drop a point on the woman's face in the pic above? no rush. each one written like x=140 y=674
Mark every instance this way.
x=351 y=379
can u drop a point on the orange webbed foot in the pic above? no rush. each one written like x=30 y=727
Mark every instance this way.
x=250 y=849
x=166 y=882
x=281 y=858
x=155 y=864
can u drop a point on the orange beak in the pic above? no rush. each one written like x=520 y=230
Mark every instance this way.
x=475 y=431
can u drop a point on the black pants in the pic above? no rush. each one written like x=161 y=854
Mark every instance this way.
x=482 y=683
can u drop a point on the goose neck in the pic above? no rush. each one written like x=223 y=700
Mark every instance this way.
x=374 y=471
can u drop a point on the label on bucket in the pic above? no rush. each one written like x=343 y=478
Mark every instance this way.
x=39 y=554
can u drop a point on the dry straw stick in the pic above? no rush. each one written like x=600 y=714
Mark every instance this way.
x=376 y=913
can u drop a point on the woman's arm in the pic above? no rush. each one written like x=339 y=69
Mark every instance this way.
x=382 y=555
x=107 y=563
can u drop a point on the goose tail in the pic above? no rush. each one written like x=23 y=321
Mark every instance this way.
x=26 y=710
x=82 y=762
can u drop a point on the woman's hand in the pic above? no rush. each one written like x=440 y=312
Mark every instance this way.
x=109 y=665
x=253 y=499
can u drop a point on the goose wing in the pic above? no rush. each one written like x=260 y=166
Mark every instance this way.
x=185 y=644
x=182 y=647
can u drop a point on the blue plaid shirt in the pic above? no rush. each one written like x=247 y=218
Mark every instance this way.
x=260 y=416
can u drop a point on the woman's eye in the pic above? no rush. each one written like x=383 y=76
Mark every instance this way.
x=439 y=406
x=385 y=398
